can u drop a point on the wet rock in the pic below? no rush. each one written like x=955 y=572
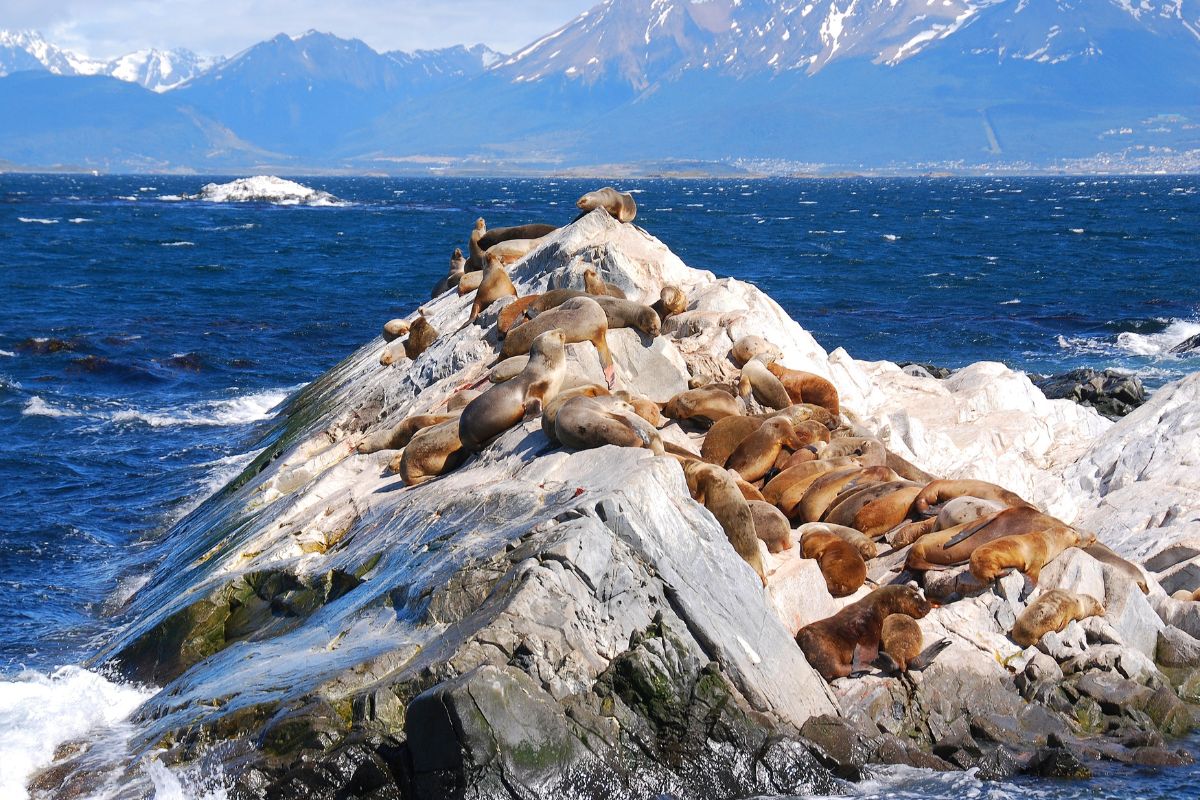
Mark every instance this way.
x=1111 y=393
x=1057 y=762
x=1188 y=345
x=1169 y=713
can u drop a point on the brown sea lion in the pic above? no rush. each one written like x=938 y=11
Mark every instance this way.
x=475 y=260
x=507 y=369
x=550 y=407
x=459 y=399
x=803 y=412
x=469 y=282
x=594 y=284
x=841 y=563
x=394 y=328
x=788 y=460
x=1105 y=555
x=421 y=334
x=787 y=489
x=931 y=553
x=806 y=387
x=901 y=644
x=511 y=251
x=533 y=230
x=716 y=490
x=504 y=404
x=869 y=450
x=431 y=452
x=581 y=319
x=494 y=285
x=703 y=406
x=748 y=490
x=758 y=381
x=755 y=456
x=831 y=645
x=643 y=406
x=619 y=205
x=958 y=511
x=458 y=266
x=1053 y=610
x=771 y=526
x=941 y=491
x=823 y=491
x=1026 y=552
x=862 y=543
x=583 y=423
x=877 y=509
x=671 y=301
x=623 y=313
x=399 y=435
x=725 y=435
x=750 y=347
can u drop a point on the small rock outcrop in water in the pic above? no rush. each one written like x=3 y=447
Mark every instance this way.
x=1111 y=393
x=1188 y=345
x=544 y=623
x=264 y=189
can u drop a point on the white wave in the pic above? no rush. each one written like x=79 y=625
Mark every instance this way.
x=130 y=197
x=891 y=237
x=1076 y=230
x=37 y=407
x=79 y=220
x=40 y=712
x=185 y=784
x=265 y=189
x=7 y=354
x=220 y=473
x=178 y=244
x=170 y=198
x=1157 y=344
x=1016 y=301
x=37 y=221
x=240 y=410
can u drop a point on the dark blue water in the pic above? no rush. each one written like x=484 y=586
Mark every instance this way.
x=144 y=341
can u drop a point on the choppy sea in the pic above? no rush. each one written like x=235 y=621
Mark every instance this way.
x=145 y=340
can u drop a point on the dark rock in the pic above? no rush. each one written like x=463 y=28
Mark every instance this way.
x=839 y=745
x=1057 y=762
x=1161 y=757
x=1109 y=392
x=1188 y=345
x=1115 y=694
x=941 y=373
x=1169 y=713
x=998 y=764
x=1177 y=648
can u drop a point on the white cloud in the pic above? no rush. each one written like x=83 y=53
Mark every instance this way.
x=107 y=28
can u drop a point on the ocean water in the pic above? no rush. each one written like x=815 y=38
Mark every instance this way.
x=145 y=341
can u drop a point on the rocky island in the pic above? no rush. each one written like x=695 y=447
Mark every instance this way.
x=544 y=622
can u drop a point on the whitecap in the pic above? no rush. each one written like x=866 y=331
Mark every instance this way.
x=1157 y=344
x=79 y=220
x=40 y=712
x=178 y=244
x=37 y=407
x=37 y=221
x=891 y=237
x=189 y=784
x=240 y=410
x=1076 y=230
x=170 y=198
x=7 y=354
x=1014 y=302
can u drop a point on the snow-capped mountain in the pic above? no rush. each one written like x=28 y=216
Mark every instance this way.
x=449 y=62
x=157 y=70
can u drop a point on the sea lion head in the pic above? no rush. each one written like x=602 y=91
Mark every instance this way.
x=648 y=323
x=906 y=599
x=549 y=347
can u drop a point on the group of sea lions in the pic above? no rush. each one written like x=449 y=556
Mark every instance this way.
x=777 y=462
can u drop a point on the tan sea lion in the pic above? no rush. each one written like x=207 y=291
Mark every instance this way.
x=958 y=511
x=787 y=489
x=507 y=369
x=841 y=563
x=619 y=205
x=788 y=460
x=505 y=404
x=703 y=406
x=511 y=251
x=533 y=230
x=431 y=452
x=399 y=435
x=469 y=282
x=643 y=406
x=716 y=490
x=581 y=319
x=861 y=542
x=671 y=301
x=941 y=491
x=1026 y=552
x=583 y=423
x=876 y=509
x=458 y=266
x=803 y=412
x=758 y=381
x=394 y=328
x=869 y=450
x=459 y=399
x=749 y=347
x=901 y=645
x=594 y=284
x=771 y=526
x=623 y=313
x=806 y=387
x=550 y=407
x=833 y=646
x=749 y=490
x=494 y=285
x=475 y=260
x=755 y=456
x=725 y=435
x=1105 y=555
x=1053 y=610
x=824 y=491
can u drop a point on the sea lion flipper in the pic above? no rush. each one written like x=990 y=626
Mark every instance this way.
x=968 y=532
x=886 y=663
x=927 y=655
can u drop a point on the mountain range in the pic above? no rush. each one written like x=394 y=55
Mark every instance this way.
x=773 y=84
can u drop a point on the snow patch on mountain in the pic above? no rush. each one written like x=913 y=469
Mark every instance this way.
x=157 y=70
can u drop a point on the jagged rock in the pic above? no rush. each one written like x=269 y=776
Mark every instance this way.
x=1065 y=644
x=1111 y=393
x=1188 y=345
x=918 y=369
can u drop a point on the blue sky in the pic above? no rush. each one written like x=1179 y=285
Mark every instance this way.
x=107 y=28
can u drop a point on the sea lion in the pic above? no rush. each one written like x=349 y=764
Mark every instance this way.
x=934 y=551
x=431 y=452
x=803 y=412
x=619 y=205
x=533 y=230
x=1026 y=552
x=476 y=260
x=869 y=450
x=581 y=319
x=399 y=435
x=1053 y=610
x=421 y=334
x=758 y=381
x=806 y=387
x=504 y=404
x=824 y=491
x=623 y=313
x=901 y=644
x=511 y=251
x=1105 y=555
x=941 y=491
x=771 y=526
x=832 y=644
x=755 y=456
x=594 y=284
x=643 y=406
x=392 y=353
x=703 y=406
x=749 y=490
x=876 y=509
x=394 y=328
x=507 y=369
x=787 y=489
x=841 y=563
x=716 y=490
x=671 y=301
x=750 y=347
x=494 y=285
x=458 y=266
x=459 y=399
x=531 y=305
x=469 y=282
x=788 y=460
x=861 y=542
x=956 y=512
x=550 y=407
x=725 y=435
x=583 y=423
